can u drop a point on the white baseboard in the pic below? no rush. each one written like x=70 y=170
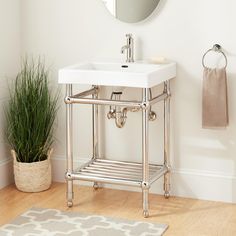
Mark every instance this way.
x=6 y=173
x=184 y=183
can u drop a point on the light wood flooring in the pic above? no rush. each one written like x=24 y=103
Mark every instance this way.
x=184 y=216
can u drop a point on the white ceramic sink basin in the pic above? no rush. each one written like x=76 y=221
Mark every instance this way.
x=139 y=75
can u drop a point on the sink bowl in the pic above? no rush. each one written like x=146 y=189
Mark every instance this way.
x=138 y=75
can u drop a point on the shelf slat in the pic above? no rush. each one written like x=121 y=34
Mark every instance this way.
x=117 y=172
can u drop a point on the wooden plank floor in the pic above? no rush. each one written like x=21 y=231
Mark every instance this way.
x=184 y=216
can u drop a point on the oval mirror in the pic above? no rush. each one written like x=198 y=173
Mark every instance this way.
x=131 y=11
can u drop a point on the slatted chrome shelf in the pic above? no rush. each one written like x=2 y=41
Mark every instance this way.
x=117 y=172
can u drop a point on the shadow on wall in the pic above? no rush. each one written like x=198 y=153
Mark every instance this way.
x=102 y=125
x=234 y=188
x=189 y=96
x=128 y=140
x=216 y=147
x=232 y=117
x=181 y=188
x=157 y=11
x=184 y=95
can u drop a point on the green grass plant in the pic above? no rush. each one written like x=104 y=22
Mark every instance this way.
x=31 y=112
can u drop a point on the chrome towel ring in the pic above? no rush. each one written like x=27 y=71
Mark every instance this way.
x=215 y=48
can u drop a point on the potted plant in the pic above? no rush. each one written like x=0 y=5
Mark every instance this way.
x=30 y=115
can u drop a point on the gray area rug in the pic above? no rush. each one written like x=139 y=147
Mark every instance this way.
x=50 y=222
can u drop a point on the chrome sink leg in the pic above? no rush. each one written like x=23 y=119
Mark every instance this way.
x=145 y=147
x=95 y=132
x=167 y=139
x=69 y=145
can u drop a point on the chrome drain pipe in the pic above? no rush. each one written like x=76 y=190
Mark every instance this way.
x=120 y=115
x=115 y=112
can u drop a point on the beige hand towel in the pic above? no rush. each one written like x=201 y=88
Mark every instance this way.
x=214 y=99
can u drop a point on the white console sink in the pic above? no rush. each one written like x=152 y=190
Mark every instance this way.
x=139 y=75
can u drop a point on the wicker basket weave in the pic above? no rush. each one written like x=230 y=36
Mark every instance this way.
x=32 y=177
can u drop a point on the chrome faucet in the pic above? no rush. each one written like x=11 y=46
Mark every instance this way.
x=129 y=47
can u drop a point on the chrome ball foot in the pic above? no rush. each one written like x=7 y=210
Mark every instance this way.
x=167 y=194
x=95 y=186
x=145 y=214
x=70 y=204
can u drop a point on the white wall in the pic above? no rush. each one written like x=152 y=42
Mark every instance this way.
x=66 y=32
x=9 y=64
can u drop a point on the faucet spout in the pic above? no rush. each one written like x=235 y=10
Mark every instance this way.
x=123 y=49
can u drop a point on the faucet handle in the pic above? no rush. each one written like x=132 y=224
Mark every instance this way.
x=129 y=35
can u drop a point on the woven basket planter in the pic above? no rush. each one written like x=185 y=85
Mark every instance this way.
x=32 y=177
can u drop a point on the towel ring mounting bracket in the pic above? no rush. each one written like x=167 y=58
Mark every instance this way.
x=215 y=48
